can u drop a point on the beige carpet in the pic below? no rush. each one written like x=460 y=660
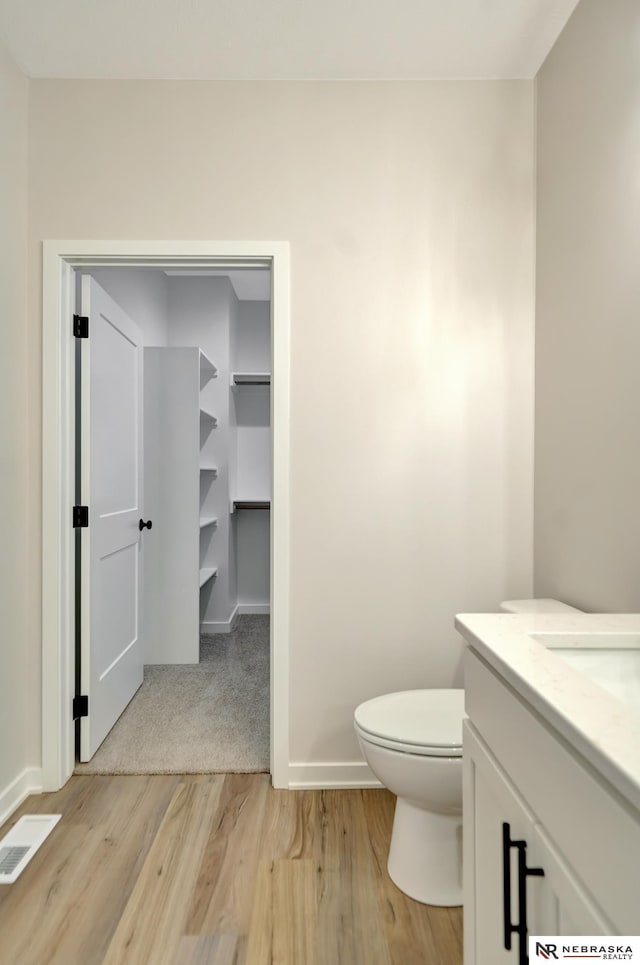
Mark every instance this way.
x=197 y=719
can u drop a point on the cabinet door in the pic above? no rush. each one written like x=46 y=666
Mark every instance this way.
x=492 y=887
x=566 y=907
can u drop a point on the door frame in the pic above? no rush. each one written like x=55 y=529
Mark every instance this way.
x=60 y=259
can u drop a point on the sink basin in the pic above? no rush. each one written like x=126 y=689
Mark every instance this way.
x=610 y=660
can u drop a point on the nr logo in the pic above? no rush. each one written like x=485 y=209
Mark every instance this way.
x=546 y=951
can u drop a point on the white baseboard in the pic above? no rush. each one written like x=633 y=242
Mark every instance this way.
x=255 y=608
x=220 y=626
x=350 y=774
x=226 y=626
x=12 y=796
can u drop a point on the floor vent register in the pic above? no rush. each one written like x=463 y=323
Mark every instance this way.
x=19 y=845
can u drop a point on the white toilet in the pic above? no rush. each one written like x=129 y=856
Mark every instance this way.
x=412 y=741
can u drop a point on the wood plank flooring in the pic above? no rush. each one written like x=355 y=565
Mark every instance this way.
x=216 y=870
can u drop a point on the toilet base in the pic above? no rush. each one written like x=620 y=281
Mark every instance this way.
x=425 y=857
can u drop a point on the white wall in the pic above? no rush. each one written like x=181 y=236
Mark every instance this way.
x=253 y=563
x=250 y=406
x=253 y=343
x=587 y=506
x=19 y=682
x=409 y=210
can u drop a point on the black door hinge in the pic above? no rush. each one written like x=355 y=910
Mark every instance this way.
x=80 y=707
x=80 y=517
x=81 y=326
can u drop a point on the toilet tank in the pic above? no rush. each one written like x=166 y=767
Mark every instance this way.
x=537 y=606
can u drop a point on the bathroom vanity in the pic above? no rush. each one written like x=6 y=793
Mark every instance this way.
x=551 y=780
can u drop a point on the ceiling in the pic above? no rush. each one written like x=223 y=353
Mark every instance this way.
x=279 y=39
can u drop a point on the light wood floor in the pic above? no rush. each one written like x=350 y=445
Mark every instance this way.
x=216 y=870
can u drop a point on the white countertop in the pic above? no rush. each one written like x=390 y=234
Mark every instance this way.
x=603 y=729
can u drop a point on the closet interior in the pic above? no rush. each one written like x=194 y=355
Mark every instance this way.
x=207 y=449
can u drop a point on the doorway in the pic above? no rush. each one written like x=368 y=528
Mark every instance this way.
x=60 y=261
x=174 y=649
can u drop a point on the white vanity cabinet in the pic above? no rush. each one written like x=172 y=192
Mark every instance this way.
x=490 y=865
x=533 y=805
x=566 y=907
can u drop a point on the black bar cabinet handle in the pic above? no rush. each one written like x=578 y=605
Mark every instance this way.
x=523 y=874
x=506 y=885
x=521 y=929
x=142 y=524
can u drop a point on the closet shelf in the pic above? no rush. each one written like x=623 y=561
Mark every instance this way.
x=213 y=469
x=207 y=367
x=207 y=574
x=251 y=378
x=208 y=521
x=250 y=504
x=208 y=418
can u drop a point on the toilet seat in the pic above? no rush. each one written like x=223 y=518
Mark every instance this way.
x=424 y=722
x=423 y=750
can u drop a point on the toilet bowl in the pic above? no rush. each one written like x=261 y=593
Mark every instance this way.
x=412 y=741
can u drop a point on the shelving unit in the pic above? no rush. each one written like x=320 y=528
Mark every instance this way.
x=208 y=521
x=208 y=472
x=208 y=418
x=207 y=574
x=180 y=436
x=208 y=370
x=250 y=378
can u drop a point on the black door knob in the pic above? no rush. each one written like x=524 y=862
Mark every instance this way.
x=142 y=524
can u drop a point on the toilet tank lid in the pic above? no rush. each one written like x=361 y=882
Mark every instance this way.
x=537 y=606
x=428 y=718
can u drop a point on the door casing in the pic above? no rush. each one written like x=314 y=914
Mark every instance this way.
x=60 y=259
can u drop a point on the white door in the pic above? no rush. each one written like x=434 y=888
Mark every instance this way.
x=111 y=485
